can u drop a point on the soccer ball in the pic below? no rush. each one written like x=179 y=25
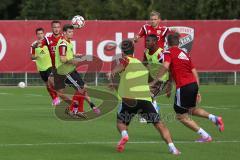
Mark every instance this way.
x=21 y=85
x=78 y=21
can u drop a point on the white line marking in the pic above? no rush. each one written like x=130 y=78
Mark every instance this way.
x=22 y=109
x=110 y=142
x=5 y=93
x=35 y=95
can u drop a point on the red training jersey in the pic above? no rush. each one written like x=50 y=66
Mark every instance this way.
x=180 y=66
x=159 y=31
x=51 y=41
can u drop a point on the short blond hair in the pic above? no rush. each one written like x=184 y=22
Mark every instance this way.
x=155 y=13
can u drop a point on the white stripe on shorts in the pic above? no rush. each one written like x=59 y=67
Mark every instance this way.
x=73 y=81
x=178 y=97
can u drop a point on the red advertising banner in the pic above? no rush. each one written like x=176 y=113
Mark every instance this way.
x=215 y=47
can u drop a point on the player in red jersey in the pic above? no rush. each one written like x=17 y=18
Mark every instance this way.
x=153 y=28
x=52 y=39
x=187 y=83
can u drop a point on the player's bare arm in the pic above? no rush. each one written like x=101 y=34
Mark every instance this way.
x=194 y=71
x=63 y=59
x=117 y=69
x=169 y=86
x=136 y=38
x=34 y=57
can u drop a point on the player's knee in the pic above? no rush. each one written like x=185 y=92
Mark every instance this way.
x=182 y=117
x=159 y=125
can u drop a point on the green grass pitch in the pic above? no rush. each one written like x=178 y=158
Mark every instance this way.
x=30 y=130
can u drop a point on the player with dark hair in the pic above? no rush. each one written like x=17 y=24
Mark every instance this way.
x=66 y=73
x=42 y=58
x=187 y=84
x=153 y=59
x=135 y=94
x=160 y=32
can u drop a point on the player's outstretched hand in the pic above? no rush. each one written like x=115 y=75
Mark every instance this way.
x=152 y=84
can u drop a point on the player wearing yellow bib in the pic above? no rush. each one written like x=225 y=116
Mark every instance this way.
x=43 y=62
x=66 y=73
x=136 y=97
x=153 y=59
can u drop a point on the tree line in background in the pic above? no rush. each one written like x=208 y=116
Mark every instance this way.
x=119 y=9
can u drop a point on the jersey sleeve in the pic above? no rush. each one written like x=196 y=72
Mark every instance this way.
x=167 y=57
x=165 y=31
x=142 y=31
x=45 y=41
x=160 y=57
x=124 y=62
x=62 y=49
x=32 y=49
x=191 y=64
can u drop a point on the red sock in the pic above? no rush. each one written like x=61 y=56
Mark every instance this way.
x=79 y=99
x=51 y=91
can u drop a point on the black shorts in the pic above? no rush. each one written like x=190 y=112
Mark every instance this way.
x=73 y=79
x=45 y=74
x=127 y=110
x=53 y=72
x=185 y=98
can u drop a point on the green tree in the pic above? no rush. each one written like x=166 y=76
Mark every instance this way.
x=218 y=9
x=119 y=9
x=9 y=9
x=40 y=9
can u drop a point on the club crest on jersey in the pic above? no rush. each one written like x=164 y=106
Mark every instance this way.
x=183 y=56
x=186 y=37
x=158 y=31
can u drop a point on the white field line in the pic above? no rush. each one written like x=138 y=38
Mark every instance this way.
x=166 y=105
x=107 y=142
x=23 y=109
x=34 y=95
x=3 y=93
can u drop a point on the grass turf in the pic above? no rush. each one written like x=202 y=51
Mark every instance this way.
x=31 y=130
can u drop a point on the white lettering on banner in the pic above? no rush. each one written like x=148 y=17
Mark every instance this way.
x=4 y=46
x=221 y=45
x=101 y=48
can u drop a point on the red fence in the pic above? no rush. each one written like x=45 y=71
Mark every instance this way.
x=216 y=45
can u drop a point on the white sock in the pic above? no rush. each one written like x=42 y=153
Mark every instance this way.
x=75 y=110
x=172 y=146
x=212 y=118
x=124 y=133
x=203 y=133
